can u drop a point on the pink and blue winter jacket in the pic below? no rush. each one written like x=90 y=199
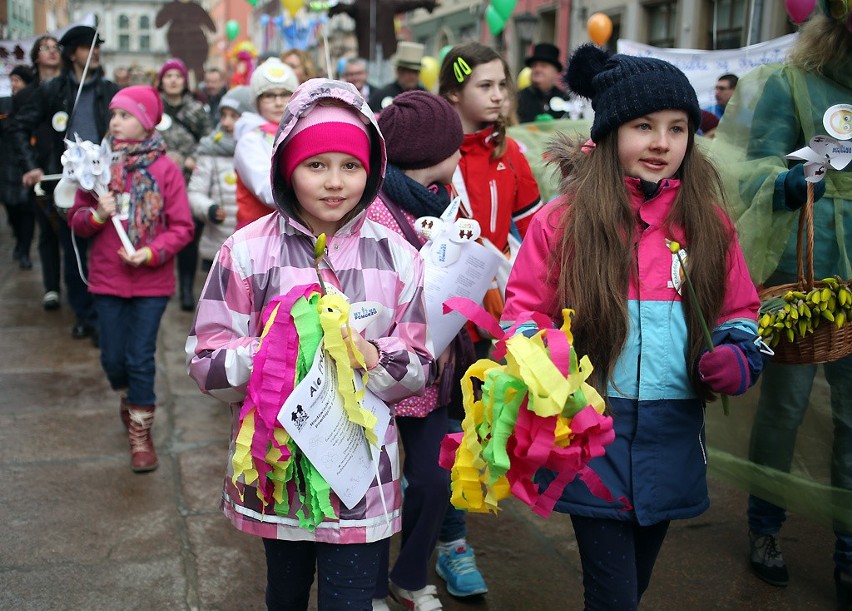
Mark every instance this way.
x=658 y=460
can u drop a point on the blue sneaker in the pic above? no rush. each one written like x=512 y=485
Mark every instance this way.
x=457 y=566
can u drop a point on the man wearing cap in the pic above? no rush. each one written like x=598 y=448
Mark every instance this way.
x=51 y=113
x=543 y=97
x=409 y=56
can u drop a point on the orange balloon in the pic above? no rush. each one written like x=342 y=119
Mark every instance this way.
x=599 y=27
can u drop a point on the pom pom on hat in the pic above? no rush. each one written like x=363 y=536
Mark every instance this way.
x=141 y=101
x=586 y=62
x=409 y=126
x=624 y=87
x=325 y=129
x=173 y=64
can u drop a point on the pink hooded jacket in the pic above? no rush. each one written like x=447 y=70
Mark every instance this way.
x=373 y=267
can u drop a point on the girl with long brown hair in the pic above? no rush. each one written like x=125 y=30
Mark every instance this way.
x=604 y=248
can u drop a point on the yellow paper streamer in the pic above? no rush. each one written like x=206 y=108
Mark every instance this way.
x=550 y=393
x=467 y=489
x=242 y=461
x=334 y=314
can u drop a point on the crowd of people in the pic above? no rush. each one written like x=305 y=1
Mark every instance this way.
x=291 y=178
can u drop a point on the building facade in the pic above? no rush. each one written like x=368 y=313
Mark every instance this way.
x=691 y=24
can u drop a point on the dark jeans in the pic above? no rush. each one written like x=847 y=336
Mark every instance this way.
x=48 y=243
x=347 y=574
x=22 y=221
x=79 y=297
x=187 y=257
x=454 y=526
x=423 y=505
x=128 y=341
x=618 y=558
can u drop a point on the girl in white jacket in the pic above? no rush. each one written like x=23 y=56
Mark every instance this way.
x=213 y=187
x=272 y=83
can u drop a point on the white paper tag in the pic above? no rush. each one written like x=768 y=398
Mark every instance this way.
x=315 y=418
x=122 y=206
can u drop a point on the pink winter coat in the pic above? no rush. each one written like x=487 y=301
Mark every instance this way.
x=375 y=268
x=108 y=274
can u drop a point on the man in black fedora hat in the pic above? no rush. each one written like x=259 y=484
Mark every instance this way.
x=48 y=116
x=543 y=97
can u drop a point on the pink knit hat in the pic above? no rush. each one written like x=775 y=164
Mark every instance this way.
x=173 y=64
x=141 y=101
x=325 y=129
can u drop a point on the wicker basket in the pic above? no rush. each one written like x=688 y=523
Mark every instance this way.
x=827 y=343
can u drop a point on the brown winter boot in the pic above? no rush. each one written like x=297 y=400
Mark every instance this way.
x=143 y=457
x=124 y=412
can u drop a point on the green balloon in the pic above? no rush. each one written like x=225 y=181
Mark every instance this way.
x=443 y=53
x=232 y=29
x=504 y=8
x=252 y=2
x=495 y=22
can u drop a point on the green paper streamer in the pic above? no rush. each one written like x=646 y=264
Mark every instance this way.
x=505 y=415
x=313 y=491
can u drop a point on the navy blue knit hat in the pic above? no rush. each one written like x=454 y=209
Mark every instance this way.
x=623 y=88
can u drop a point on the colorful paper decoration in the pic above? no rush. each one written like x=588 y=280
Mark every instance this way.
x=265 y=454
x=536 y=411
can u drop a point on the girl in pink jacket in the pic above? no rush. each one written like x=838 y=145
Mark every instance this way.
x=328 y=164
x=131 y=290
x=606 y=249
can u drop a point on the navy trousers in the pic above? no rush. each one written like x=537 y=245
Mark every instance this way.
x=618 y=558
x=347 y=574
x=423 y=505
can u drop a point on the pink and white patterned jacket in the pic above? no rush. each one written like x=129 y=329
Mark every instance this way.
x=375 y=268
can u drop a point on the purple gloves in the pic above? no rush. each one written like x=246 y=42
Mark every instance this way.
x=725 y=370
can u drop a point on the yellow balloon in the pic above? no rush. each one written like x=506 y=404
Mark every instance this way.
x=292 y=6
x=429 y=68
x=524 y=78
